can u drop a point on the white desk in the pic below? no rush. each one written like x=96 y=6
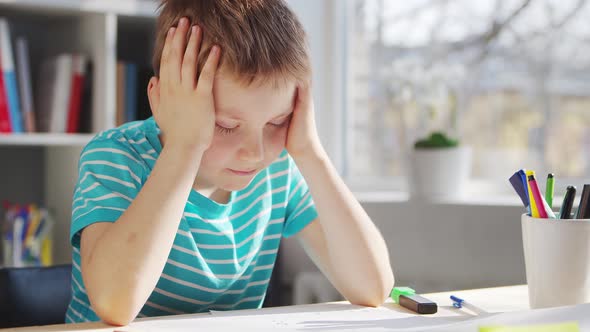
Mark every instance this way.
x=501 y=299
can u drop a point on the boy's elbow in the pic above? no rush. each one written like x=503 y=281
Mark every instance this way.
x=114 y=310
x=115 y=319
x=376 y=295
x=369 y=299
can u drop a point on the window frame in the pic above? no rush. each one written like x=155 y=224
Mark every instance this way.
x=335 y=118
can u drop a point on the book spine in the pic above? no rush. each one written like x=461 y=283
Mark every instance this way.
x=131 y=92
x=61 y=94
x=24 y=80
x=79 y=68
x=5 y=126
x=10 y=78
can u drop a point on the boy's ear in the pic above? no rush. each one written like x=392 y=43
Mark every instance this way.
x=153 y=92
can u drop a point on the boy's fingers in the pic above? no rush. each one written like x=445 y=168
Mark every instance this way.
x=165 y=56
x=154 y=91
x=177 y=50
x=304 y=94
x=205 y=83
x=189 y=62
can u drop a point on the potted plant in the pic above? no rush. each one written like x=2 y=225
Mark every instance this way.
x=440 y=167
x=430 y=99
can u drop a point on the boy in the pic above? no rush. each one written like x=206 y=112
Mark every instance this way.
x=184 y=212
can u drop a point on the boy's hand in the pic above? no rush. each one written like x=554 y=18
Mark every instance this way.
x=185 y=109
x=302 y=138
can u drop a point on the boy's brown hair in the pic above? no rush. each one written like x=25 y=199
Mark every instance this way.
x=259 y=39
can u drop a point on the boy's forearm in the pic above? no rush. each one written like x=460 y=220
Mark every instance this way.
x=127 y=260
x=357 y=252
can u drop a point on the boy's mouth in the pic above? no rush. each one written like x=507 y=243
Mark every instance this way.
x=243 y=172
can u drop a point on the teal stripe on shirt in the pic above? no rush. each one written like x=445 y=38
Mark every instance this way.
x=223 y=254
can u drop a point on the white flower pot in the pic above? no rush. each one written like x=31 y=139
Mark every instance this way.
x=439 y=173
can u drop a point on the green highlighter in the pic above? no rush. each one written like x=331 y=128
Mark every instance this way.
x=407 y=298
x=560 y=327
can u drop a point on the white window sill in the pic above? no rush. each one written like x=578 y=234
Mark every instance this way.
x=500 y=200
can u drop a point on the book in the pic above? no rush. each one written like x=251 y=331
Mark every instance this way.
x=85 y=121
x=121 y=94
x=5 y=126
x=75 y=106
x=131 y=92
x=44 y=95
x=64 y=94
x=10 y=85
x=61 y=93
x=23 y=69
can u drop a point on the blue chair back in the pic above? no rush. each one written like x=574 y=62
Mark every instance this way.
x=34 y=295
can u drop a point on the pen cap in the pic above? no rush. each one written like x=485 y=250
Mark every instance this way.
x=565 y=211
x=520 y=187
x=584 y=206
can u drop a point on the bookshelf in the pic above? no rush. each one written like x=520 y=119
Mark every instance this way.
x=42 y=167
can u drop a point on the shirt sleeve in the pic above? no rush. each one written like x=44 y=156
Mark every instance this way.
x=110 y=175
x=301 y=209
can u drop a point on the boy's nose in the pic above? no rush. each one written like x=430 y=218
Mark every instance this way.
x=252 y=150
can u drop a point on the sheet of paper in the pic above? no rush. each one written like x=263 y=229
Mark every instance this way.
x=338 y=317
x=321 y=317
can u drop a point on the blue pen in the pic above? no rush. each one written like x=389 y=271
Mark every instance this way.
x=24 y=214
x=460 y=303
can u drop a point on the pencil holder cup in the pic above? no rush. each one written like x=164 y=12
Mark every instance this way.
x=557 y=260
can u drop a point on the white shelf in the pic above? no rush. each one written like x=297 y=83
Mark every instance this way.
x=45 y=139
x=138 y=8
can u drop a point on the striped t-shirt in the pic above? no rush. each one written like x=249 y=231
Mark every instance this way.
x=223 y=254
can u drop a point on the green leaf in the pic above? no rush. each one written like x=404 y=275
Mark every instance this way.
x=436 y=140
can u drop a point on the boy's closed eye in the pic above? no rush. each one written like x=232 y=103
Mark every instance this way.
x=227 y=128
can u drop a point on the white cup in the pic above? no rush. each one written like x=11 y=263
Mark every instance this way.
x=557 y=259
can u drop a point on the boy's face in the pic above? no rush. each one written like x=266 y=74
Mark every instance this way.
x=251 y=131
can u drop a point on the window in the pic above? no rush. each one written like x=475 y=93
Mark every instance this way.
x=509 y=78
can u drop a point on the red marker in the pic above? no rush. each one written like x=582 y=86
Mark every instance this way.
x=537 y=196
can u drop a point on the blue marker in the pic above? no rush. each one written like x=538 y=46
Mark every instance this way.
x=460 y=303
x=522 y=174
x=520 y=185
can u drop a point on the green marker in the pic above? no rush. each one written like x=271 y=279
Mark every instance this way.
x=549 y=189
